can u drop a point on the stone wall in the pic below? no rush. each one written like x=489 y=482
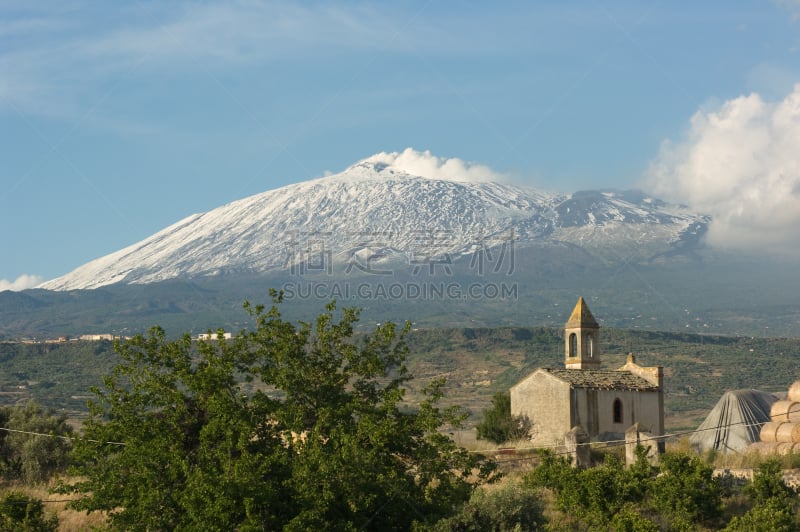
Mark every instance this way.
x=545 y=401
x=791 y=477
x=595 y=412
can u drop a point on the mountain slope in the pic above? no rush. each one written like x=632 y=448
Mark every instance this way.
x=375 y=212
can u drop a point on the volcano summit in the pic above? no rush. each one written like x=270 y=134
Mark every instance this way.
x=380 y=209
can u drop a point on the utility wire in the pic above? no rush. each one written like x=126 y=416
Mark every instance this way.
x=615 y=443
x=551 y=446
x=607 y=442
x=62 y=437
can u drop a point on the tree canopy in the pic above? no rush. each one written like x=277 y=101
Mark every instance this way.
x=318 y=437
x=29 y=457
x=499 y=425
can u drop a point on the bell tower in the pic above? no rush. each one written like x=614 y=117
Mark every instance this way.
x=582 y=339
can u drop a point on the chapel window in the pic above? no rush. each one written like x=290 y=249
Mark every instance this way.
x=617 y=411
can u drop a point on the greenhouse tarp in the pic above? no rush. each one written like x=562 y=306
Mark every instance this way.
x=735 y=421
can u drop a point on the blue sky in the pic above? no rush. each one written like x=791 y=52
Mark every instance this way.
x=118 y=119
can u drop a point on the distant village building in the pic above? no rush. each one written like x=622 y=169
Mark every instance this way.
x=95 y=337
x=212 y=337
x=602 y=403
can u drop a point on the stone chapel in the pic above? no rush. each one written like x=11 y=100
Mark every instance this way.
x=604 y=403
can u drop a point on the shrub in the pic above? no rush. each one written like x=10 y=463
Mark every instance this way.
x=593 y=495
x=509 y=508
x=20 y=512
x=29 y=457
x=499 y=425
x=770 y=515
x=686 y=491
x=629 y=519
x=768 y=483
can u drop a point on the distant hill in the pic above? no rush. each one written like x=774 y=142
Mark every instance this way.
x=732 y=297
x=443 y=253
x=477 y=362
x=383 y=219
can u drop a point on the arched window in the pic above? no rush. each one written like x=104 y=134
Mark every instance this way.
x=589 y=346
x=617 y=411
x=573 y=345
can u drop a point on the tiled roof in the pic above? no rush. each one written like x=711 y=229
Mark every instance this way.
x=581 y=316
x=602 y=379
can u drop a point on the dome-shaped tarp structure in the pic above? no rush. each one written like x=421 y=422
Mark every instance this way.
x=735 y=422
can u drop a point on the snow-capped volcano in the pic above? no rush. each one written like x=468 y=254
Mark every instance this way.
x=388 y=205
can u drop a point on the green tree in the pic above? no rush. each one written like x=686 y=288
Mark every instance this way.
x=629 y=518
x=499 y=425
x=768 y=483
x=769 y=516
x=511 y=508
x=20 y=512
x=686 y=492
x=608 y=496
x=323 y=442
x=774 y=503
x=35 y=444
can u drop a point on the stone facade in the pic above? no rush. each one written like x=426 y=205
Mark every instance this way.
x=604 y=403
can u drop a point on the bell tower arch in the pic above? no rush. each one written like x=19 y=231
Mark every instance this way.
x=582 y=339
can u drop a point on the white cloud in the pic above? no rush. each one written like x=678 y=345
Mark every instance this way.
x=246 y=32
x=54 y=62
x=741 y=164
x=65 y=54
x=425 y=164
x=22 y=282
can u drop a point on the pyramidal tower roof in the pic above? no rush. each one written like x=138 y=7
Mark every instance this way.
x=581 y=316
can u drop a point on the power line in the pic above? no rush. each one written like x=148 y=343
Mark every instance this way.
x=25 y=503
x=615 y=443
x=62 y=437
x=611 y=443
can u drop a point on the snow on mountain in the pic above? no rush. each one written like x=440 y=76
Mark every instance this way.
x=378 y=208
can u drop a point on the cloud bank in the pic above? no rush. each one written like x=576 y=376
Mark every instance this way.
x=425 y=164
x=741 y=164
x=22 y=282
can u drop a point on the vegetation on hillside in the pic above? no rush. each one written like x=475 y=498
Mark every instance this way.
x=698 y=368
x=308 y=427
x=477 y=362
x=322 y=440
x=34 y=447
x=57 y=376
x=27 y=452
x=18 y=511
x=498 y=425
x=679 y=494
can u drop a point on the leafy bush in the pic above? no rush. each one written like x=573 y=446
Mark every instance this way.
x=686 y=491
x=774 y=503
x=630 y=519
x=30 y=457
x=20 y=512
x=768 y=484
x=509 y=508
x=770 y=515
x=499 y=425
x=679 y=495
x=593 y=495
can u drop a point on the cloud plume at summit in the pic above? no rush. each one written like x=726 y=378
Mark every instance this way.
x=425 y=164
